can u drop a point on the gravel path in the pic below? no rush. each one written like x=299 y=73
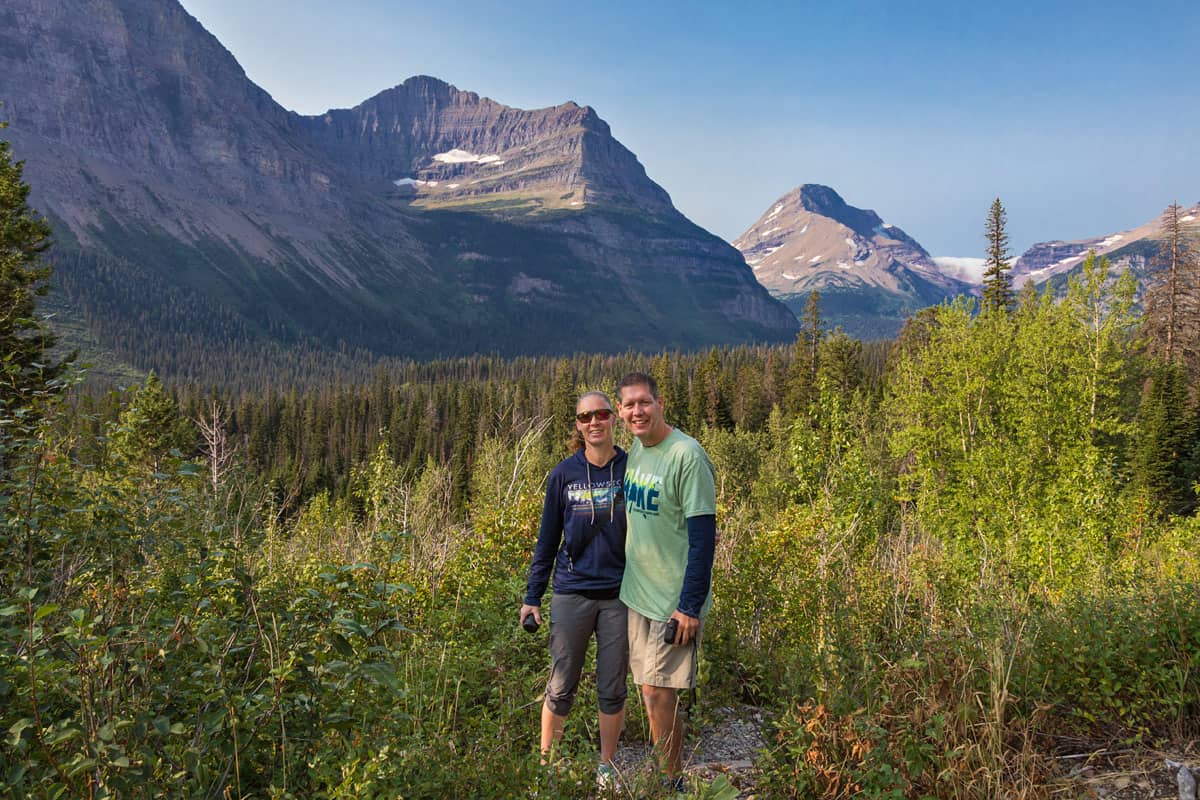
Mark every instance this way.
x=726 y=743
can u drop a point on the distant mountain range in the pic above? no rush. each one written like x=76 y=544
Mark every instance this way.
x=1131 y=249
x=203 y=229
x=200 y=224
x=871 y=275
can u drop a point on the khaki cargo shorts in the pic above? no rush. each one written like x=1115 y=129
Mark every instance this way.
x=653 y=662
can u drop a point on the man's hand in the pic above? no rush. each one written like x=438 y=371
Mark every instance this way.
x=526 y=610
x=686 y=632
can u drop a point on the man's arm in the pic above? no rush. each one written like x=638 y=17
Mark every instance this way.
x=697 y=578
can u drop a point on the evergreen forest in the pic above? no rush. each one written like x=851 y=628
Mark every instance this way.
x=944 y=562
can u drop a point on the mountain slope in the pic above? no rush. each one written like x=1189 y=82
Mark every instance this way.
x=871 y=275
x=198 y=221
x=1130 y=249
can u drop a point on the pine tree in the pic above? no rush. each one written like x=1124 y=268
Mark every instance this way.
x=841 y=364
x=713 y=393
x=1161 y=459
x=997 y=285
x=806 y=358
x=1172 y=308
x=26 y=369
x=561 y=408
x=151 y=427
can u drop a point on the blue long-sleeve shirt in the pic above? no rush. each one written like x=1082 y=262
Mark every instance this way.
x=697 y=578
x=582 y=535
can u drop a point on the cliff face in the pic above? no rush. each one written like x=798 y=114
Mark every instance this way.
x=424 y=221
x=870 y=274
x=139 y=85
x=451 y=148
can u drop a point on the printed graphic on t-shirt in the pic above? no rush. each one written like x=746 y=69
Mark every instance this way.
x=642 y=491
x=599 y=495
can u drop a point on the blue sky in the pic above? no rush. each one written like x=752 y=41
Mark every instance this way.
x=1084 y=118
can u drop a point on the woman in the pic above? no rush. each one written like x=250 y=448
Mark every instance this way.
x=583 y=537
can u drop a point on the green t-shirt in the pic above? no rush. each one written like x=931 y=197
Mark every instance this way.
x=664 y=485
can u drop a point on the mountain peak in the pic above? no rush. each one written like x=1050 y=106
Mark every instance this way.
x=416 y=81
x=823 y=200
x=436 y=146
x=870 y=273
x=819 y=196
x=162 y=166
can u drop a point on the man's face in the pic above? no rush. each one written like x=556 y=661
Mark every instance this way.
x=642 y=412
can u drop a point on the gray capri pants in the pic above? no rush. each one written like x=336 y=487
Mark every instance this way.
x=573 y=620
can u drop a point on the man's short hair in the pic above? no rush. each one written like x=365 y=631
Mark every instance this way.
x=638 y=379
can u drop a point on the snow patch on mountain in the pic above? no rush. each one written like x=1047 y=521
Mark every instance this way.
x=457 y=156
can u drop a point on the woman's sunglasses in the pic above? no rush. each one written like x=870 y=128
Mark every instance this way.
x=602 y=414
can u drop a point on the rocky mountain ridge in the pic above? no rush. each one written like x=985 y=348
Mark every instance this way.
x=870 y=274
x=424 y=221
x=452 y=148
x=1128 y=249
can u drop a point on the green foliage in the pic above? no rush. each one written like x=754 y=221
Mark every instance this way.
x=150 y=429
x=28 y=372
x=1121 y=666
x=1012 y=430
x=1162 y=462
x=925 y=562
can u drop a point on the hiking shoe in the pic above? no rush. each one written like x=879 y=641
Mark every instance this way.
x=606 y=779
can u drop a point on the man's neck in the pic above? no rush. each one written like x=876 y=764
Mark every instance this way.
x=656 y=435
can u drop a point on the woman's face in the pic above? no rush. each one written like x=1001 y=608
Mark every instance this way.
x=595 y=431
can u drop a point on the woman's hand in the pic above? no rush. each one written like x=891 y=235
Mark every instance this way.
x=526 y=610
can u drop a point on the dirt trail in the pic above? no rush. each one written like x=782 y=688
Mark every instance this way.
x=727 y=742
x=730 y=738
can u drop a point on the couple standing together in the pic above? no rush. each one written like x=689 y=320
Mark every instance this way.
x=631 y=539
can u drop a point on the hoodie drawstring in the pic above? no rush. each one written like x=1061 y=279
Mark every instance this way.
x=612 y=500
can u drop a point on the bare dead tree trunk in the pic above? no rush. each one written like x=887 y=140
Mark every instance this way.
x=217 y=449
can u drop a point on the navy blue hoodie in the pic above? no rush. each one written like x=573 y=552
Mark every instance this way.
x=583 y=530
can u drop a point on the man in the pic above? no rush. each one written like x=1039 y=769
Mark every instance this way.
x=670 y=499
